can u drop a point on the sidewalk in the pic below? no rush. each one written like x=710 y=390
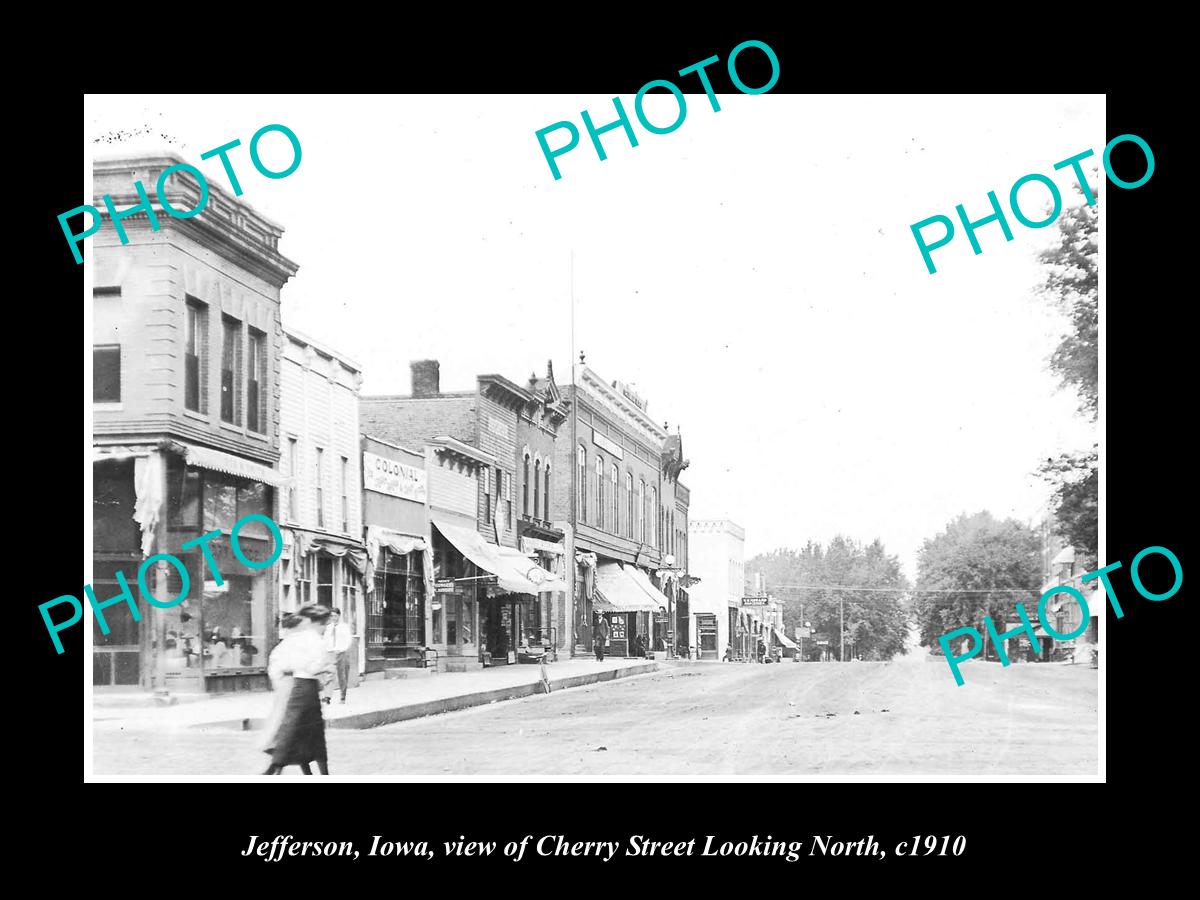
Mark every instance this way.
x=375 y=703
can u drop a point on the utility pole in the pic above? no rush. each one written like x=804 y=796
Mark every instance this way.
x=842 y=626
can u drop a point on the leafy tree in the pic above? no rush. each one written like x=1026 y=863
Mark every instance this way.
x=876 y=623
x=1072 y=285
x=975 y=553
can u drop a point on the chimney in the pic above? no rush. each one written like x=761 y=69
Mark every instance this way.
x=425 y=378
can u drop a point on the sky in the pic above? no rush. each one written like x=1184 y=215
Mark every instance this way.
x=752 y=273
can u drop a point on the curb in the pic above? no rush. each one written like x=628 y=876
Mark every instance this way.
x=377 y=717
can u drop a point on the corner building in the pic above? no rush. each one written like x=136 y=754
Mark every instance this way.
x=185 y=430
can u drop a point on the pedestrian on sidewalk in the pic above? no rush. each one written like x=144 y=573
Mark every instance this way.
x=338 y=638
x=296 y=667
x=600 y=636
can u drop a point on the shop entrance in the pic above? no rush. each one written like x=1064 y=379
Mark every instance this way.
x=116 y=656
x=706 y=632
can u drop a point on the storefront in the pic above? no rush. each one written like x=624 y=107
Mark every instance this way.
x=623 y=598
x=498 y=600
x=396 y=592
x=706 y=636
x=154 y=499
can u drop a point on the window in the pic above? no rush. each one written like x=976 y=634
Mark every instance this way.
x=581 y=484
x=325 y=581
x=546 y=495
x=256 y=382
x=304 y=581
x=293 y=471
x=231 y=370
x=654 y=517
x=525 y=489
x=641 y=525
x=486 y=475
x=345 y=495
x=615 y=527
x=537 y=484
x=507 y=495
x=629 y=516
x=106 y=373
x=195 y=339
x=319 y=476
x=600 y=491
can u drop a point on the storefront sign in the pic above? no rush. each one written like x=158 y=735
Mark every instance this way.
x=802 y=632
x=498 y=428
x=618 y=628
x=605 y=443
x=387 y=476
x=755 y=601
x=529 y=546
x=444 y=585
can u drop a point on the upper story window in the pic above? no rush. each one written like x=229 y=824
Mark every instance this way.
x=506 y=493
x=320 y=482
x=581 y=484
x=615 y=525
x=256 y=382
x=195 y=355
x=345 y=495
x=600 y=491
x=293 y=471
x=546 y=495
x=641 y=502
x=525 y=489
x=231 y=370
x=654 y=517
x=106 y=373
x=537 y=484
x=629 y=515
x=485 y=475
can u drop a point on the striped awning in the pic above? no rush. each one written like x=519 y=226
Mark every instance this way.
x=218 y=461
x=617 y=591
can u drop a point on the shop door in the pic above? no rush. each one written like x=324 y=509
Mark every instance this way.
x=706 y=628
x=116 y=656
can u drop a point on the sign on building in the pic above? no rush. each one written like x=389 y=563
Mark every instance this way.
x=605 y=443
x=387 y=476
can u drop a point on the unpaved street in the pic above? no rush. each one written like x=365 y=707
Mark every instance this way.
x=702 y=719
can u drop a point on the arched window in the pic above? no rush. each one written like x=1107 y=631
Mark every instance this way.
x=546 y=494
x=600 y=491
x=525 y=489
x=581 y=484
x=615 y=525
x=629 y=516
x=641 y=527
x=537 y=480
x=655 y=514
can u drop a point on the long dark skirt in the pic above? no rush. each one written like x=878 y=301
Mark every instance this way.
x=301 y=734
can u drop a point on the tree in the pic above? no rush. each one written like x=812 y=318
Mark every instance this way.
x=876 y=623
x=994 y=563
x=1072 y=285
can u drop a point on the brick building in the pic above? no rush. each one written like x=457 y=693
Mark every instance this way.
x=616 y=492
x=185 y=406
x=493 y=611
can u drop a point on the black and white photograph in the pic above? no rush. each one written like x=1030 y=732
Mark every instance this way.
x=702 y=433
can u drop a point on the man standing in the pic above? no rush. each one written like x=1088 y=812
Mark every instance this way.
x=338 y=638
x=600 y=636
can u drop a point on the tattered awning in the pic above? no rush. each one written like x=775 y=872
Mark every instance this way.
x=514 y=571
x=218 y=461
x=379 y=537
x=306 y=542
x=617 y=591
x=643 y=581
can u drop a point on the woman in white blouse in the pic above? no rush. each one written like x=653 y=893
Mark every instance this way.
x=296 y=732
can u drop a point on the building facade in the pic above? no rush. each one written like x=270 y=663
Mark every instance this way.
x=495 y=601
x=718 y=548
x=185 y=410
x=608 y=496
x=324 y=559
x=400 y=622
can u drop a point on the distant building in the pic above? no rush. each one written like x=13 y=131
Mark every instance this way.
x=185 y=405
x=717 y=557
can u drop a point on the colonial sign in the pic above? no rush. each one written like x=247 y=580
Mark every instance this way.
x=387 y=476
x=605 y=443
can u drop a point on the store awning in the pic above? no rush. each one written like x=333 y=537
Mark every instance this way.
x=617 y=591
x=647 y=585
x=217 y=461
x=514 y=571
x=784 y=639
